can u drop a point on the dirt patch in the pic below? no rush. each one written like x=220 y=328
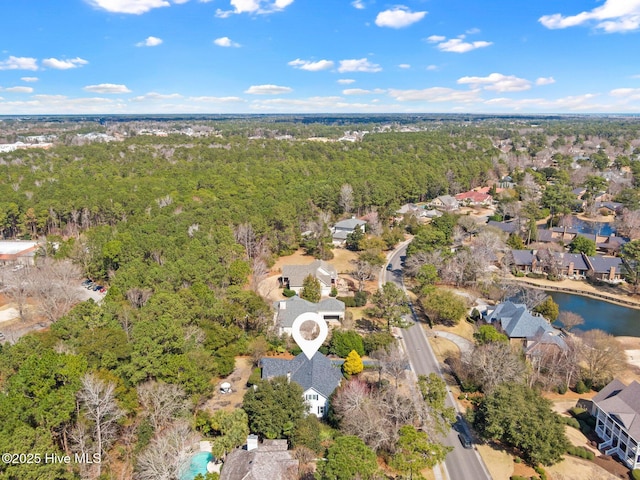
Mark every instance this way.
x=463 y=328
x=238 y=380
x=573 y=468
x=499 y=462
x=443 y=348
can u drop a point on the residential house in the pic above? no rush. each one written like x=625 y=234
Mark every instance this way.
x=330 y=309
x=270 y=459
x=524 y=260
x=18 y=252
x=506 y=227
x=523 y=327
x=293 y=276
x=617 y=411
x=342 y=229
x=445 y=202
x=409 y=208
x=608 y=269
x=474 y=198
x=318 y=378
x=609 y=208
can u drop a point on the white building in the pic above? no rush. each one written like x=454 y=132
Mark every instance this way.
x=617 y=411
x=293 y=276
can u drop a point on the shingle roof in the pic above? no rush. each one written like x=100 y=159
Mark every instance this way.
x=623 y=403
x=349 y=224
x=507 y=227
x=320 y=269
x=317 y=373
x=545 y=235
x=518 y=322
x=603 y=264
x=448 y=200
x=292 y=308
x=575 y=258
x=269 y=460
x=522 y=257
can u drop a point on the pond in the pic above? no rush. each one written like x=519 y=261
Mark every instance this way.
x=613 y=319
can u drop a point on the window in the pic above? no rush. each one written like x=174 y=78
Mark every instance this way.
x=321 y=410
x=311 y=397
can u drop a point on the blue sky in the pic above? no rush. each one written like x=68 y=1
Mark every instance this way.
x=319 y=56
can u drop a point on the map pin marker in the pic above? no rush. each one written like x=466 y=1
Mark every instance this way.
x=309 y=347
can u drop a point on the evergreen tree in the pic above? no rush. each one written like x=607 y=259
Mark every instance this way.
x=311 y=289
x=353 y=364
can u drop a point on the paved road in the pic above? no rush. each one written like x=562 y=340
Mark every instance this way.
x=461 y=463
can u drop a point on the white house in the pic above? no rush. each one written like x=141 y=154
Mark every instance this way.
x=318 y=378
x=330 y=309
x=293 y=276
x=18 y=252
x=617 y=411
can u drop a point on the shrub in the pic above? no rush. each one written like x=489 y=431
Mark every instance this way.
x=360 y=299
x=377 y=340
x=572 y=422
x=635 y=474
x=334 y=292
x=581 y=387
x=577 y=411
x=342 y=342
x=348 y=301
x=288 y=293
x=255 y=376
x=518 y=477
x=536 y=275
x=562 y=389
x=580 y=452
x=540 y=471
x=517 y=460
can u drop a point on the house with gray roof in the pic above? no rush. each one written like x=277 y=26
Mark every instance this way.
x=293 y=276
x=270 y=459
x=523 y=260
x=445 y=202
x=330 y=309
x=522 y=326
x=318 y=377
x=608 y=269
x=617 y=411
x=506 y=227
x=344 y=228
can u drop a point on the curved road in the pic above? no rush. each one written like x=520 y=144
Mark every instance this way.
x=461 y=463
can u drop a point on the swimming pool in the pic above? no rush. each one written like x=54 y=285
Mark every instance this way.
x=197 y=464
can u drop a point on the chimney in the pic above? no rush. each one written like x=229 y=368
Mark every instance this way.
x=252 y=442
x=612 y=274
x=283 y=305
x=570 y=271
x=288 y=377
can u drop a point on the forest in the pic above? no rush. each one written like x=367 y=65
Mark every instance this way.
x=181 y=229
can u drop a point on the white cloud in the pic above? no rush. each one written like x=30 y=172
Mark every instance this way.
x=267 y=90
x=206 y=99
x=18 y=89
x=497 y=82
x=345 y=81
x=57 y=104
x=359 y=4
x=545 y=81
x=472 y=31
x=435 y=94
x=29 y=79
x=149 y=42
x=110 y=88
x=63 y=64
x=627 y=93
x=432 y=68
x=362 y=91
x=258 y=7
x=404 y=66
x=311 y=66
x=19 y=63
x=153 y=96
x=398 y=17
x=457 y=45
x=613 y=16
x=225 y=42
x=358 y=65
x=135 y=7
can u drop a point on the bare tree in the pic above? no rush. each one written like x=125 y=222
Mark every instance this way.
x=532 y=297
x=494 y=363
x=246 y=237
x=162 y=402
x=168 y=452
x=602 y=355
x=393 y=362
x=55 y=287
x=100 y=407
x=570 y=320
x=363 y=271
x=18 y=287
x=629 y=223
x=138 y=297
x=346 y=198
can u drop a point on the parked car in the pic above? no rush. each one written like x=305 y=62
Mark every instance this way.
x=465 y=441
x=1 y=336
x=85 y=282
x=97 y=287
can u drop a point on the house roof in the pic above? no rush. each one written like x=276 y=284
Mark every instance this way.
x=477 y=197
x=349 y=224
x=603 y=264
x=317 y=373
x=290 y=309
x=518 y=322
x=567 y=258
x=507 y=227
x=522 y=257
x=17 y=247
x=320 y=269
x=270 y=460
x=545 y=235
x=447 y=200
x=622 y=402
